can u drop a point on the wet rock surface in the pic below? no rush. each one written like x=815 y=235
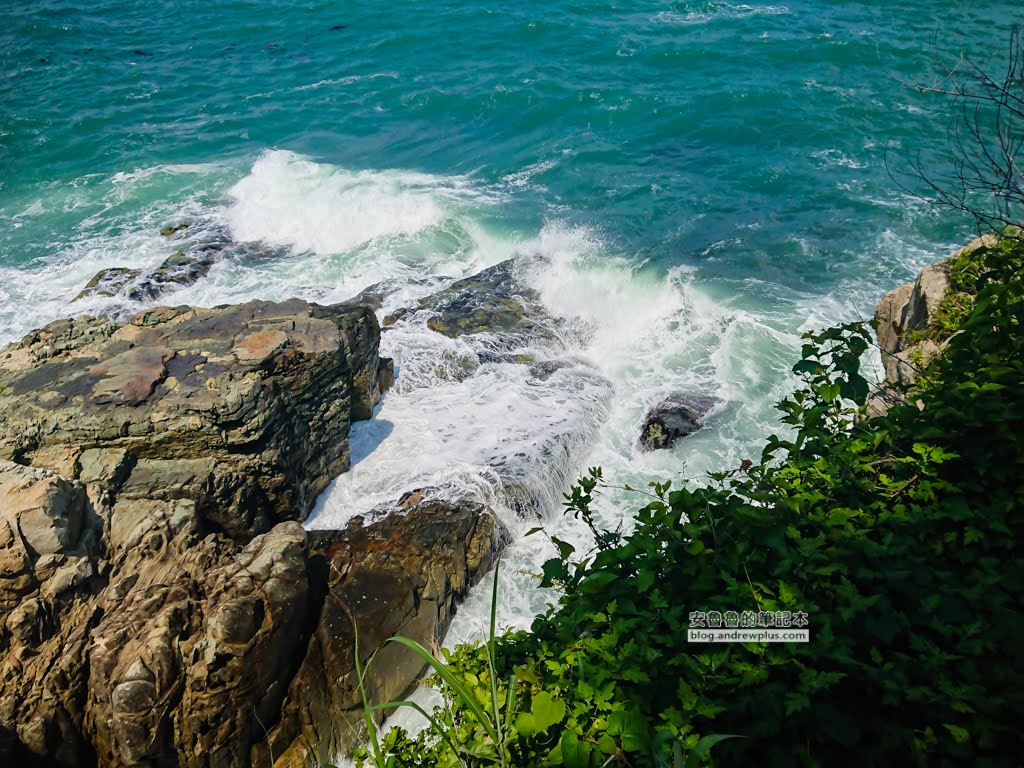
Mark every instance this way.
x=199 y=251
x=494 y=301
x=200 y=248
x=675 y=417
x=495 y=317
x=400 y=575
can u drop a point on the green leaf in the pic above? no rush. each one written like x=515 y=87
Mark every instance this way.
x=465 y=696
x=565 y=549
x=960 y=735
x=571 y=752
x=702 y=749
x=630 y=726
x=546 y=711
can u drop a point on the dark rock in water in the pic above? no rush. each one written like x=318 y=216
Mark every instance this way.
x=490 y=301
x=676 y=416
x=178 y=270
x=493 y=301
x=394 y=317
x=401 y=575
x=373 y=296
x=543 y=371
x=109 y=282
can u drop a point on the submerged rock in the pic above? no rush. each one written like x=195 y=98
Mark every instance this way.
x=109 y=282
x=178 y=270
x=172 y=229
x=201 y=248
x=491 y=301
x=676 y=416
x=494 y=301
x=493 y=316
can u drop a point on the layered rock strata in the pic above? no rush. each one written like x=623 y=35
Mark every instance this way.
x=162 y=604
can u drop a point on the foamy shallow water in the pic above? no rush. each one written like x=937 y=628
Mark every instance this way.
x=631 y=334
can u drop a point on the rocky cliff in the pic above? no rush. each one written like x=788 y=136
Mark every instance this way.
x=162 y=605
x=908 y=327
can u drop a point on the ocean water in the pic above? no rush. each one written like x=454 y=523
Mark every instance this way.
x=694 y=184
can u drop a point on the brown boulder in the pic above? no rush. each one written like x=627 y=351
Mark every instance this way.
x=903 y=315
x=400 y=575
x=156 y=599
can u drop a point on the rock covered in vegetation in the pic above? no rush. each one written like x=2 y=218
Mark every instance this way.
x=677 y=416
x=909 y=324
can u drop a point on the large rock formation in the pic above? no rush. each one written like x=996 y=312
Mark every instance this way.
x=242 y=410
x=901 y=319
x=159 y=597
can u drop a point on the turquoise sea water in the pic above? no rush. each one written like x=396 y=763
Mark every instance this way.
x=704 y=180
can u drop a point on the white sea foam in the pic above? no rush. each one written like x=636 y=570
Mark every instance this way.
x=111 y=222
x=705 y=13
x=290 y=200
x=346 y=80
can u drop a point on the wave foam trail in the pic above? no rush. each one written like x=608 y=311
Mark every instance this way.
x=290 y=200
x=706 y=13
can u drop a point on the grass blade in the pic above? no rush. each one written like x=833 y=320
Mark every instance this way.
x=464 y=694
x=378 y=756
x=492 y=665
